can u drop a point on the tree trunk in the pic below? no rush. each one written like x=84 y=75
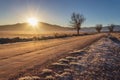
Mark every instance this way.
x=98 y=31
x=77 y=31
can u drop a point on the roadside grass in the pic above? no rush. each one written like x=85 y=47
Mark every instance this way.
x=37 y=38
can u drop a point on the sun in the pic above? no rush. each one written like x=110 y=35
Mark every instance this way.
x=33 y=21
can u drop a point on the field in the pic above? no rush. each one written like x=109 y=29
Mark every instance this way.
x=28 y=34
x=30 y=58
x=99 y=61
x=17 y=57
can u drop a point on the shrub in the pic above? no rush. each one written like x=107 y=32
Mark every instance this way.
x=56 y=35
x=111 y=27
x=98 y=27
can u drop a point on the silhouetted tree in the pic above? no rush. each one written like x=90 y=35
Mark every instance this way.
x=98 y=27
x=111 y=28
x=76 y=21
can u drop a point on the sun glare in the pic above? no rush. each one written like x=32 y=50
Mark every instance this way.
x=33 y=21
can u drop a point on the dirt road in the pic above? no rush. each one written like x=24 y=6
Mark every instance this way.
x=20 y=56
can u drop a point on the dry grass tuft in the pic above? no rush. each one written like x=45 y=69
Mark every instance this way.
x=58 y=67
x=64 y=61
x=47 y=72
x=77 y=53
x=29 y=78
x=71 y=58
x=76 y=66
x=66 y=76
x=50 y=78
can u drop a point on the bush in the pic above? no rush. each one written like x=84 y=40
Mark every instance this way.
x=111 y=28
x=98 y=27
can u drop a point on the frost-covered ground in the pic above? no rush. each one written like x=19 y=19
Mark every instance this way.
x=100 y=61
x=103 y=61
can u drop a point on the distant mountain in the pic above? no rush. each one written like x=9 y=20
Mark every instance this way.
x=48 y=27
x=26 y=27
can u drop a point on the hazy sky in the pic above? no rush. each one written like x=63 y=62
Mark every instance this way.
x=59 y=11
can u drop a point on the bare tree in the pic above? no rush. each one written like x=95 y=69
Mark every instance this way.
x=111 y=28
x=76 y=21
x=98 y=27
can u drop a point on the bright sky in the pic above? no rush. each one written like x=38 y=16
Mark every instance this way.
x=59 y=11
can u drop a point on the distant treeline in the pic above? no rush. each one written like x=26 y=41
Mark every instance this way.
x=18 y=39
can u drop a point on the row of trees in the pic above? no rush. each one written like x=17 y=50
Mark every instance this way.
x=99 y=27
x=78 y=19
